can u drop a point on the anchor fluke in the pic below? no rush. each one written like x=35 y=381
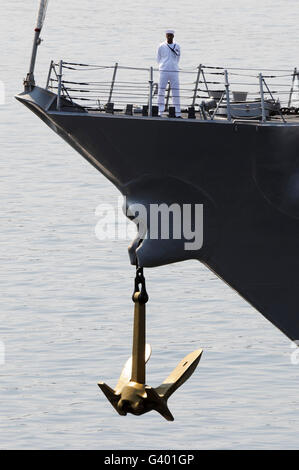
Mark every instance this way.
x=126 y=373
x=180 y=374
x=159 y=395
x=159 y=403
x=110 y=394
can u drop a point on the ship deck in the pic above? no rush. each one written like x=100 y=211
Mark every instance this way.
x=206 y=93
x=291 y=118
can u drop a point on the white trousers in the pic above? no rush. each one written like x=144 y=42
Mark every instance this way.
x=173 y=78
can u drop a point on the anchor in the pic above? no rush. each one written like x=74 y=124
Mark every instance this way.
x=131 y=394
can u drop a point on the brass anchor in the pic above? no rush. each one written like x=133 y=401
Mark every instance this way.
x=131 y=394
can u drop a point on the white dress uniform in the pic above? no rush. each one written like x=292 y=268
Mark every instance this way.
x=168 y=58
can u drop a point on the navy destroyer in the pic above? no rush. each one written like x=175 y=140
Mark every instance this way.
x=235 y=153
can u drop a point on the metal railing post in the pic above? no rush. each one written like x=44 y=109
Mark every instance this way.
x=59 y=86
x=205 y=82
x=151 y=83
x=167 y=96
x=273 y=99
x=262 y=98
x=113 y=82
x=196 y=85
x=292 y=87
x=218 y=106
x=229 y=117
x=49 y=75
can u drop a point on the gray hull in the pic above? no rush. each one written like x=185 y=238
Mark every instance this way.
x=246 y=175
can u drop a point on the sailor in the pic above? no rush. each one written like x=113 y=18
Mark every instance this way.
x=168 y=58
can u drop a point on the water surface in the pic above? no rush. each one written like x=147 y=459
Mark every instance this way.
x=66 y=310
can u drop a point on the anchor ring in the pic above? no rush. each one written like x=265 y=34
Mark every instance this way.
x=142 y=298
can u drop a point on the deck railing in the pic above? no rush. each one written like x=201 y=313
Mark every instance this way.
x=98 y=88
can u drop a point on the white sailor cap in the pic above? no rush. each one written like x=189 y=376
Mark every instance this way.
x=169 y=31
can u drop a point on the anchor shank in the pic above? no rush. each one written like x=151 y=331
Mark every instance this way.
x=138 y=352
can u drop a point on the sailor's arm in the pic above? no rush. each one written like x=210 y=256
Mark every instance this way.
x=159 y=56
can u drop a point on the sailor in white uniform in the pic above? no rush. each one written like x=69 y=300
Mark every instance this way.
x=168 y=58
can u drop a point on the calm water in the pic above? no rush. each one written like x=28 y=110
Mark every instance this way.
x=65 y=306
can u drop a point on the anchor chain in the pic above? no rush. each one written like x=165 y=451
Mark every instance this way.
x=140 y=295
